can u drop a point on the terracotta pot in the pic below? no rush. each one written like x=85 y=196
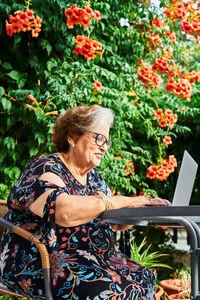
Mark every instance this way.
x=178 y=296
x=159 y=292
x=172 y=286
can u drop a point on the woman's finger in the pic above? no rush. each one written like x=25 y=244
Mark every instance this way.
x=160 y=202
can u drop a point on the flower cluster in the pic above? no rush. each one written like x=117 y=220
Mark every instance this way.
x=87 y=47
x=173 y=71
x=163 y=171
x=167 y=53
x=177 y=83
x=154 y=40
x=192 y=77
x=38 y=109
x=181 y=88
x=175 y=10
x=80 y=16
x=171 y=35
x=148 y=77
x=130 y=169
x=23 y=21
x=166 y=118
x=161 y=65
x=187 y=12
x=167 y=140
x=158 y=23
x=97 y=86
x=192 y=27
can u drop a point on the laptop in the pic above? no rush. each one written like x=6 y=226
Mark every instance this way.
x=185 y=182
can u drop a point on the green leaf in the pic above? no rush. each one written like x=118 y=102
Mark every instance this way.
x=2 y=91
x=40 y=137
x=7 y=66
x=33 y=151
x=46 y=45
x=97 y=59
x=9 y=142
x=14 y=75
x=21 y=82
x=5 y=7
x=145 y=257
x=12 y=172
x=6 y=104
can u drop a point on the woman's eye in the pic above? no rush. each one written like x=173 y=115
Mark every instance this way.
x=101 y=139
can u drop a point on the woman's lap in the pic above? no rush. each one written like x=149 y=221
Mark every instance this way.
x=93 y=278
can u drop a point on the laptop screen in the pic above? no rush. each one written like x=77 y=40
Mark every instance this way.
x=185 y=182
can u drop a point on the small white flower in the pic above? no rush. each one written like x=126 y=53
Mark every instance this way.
x=124 y=22
x=127 y=66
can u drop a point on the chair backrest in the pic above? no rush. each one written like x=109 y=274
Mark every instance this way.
x=3 y=289
x=44 y=255
x=3 y=208
x=3 y=211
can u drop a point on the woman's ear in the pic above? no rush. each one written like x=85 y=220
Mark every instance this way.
x=70 y=140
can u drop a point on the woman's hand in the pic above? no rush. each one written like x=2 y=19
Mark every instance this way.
x=123 y=201
x=153 y=202
x=159 y=202
x=139 y=202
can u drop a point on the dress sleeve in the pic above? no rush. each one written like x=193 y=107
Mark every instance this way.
x=29 y=187
x=48 y=227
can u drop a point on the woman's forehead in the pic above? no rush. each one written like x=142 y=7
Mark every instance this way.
x=102 y=129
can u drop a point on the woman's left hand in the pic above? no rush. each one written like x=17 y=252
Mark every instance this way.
x=152 y=202
x=159 y=202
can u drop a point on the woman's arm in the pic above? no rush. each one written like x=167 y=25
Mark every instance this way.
x=74 y=210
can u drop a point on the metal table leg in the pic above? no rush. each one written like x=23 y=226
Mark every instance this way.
x=136 y=216
x=197 y=253
x=194 y=235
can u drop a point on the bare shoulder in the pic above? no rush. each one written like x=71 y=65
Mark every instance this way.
x=38 y=205
x=52 y=178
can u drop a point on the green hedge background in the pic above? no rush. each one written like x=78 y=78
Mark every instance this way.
x=47 y=68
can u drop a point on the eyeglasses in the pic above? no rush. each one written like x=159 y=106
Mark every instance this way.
x=100 y=139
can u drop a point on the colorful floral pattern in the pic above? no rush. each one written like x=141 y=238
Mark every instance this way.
x=84 y=264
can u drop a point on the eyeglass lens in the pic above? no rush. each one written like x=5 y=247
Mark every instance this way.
x=101 y=140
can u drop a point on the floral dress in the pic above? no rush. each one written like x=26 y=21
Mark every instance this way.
x=84 y=264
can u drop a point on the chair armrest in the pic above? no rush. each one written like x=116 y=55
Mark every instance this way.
x=41 y=248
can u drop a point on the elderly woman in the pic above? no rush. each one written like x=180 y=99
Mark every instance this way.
x=59 y=197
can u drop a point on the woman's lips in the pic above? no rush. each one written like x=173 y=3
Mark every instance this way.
x=98 y=155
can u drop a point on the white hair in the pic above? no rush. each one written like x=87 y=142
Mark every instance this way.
x=103 y=116
x=98 y=115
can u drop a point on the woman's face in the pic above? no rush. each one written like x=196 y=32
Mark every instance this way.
x=87 y=153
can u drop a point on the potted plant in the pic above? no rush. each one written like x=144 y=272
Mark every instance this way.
x=159 y=292
x=145 y=257
x=178 y=288
x=142 y=255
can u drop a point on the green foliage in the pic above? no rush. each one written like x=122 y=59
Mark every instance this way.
x=145 y=257
x=47 y=68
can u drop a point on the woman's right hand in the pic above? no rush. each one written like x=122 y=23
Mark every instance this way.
x=139 y=201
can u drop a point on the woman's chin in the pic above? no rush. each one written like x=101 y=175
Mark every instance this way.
x=96 y=162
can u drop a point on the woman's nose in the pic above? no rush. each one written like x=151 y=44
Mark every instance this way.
x=104 y=147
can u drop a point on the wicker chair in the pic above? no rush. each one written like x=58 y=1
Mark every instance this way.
x=41 y=248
